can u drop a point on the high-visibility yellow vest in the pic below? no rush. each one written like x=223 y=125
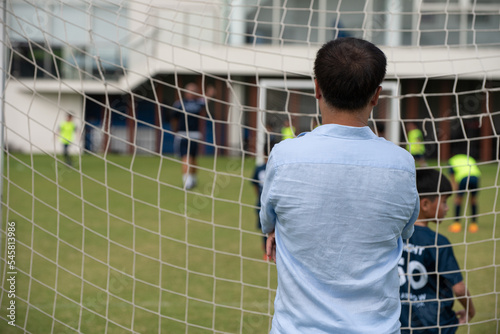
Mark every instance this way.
x=67 y=132
x=415 y=142
x=287 y=132
x=464 y=166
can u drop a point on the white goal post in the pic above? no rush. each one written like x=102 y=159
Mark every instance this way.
x=390 y=90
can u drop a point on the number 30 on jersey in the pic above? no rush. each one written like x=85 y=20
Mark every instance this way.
x=417 y=274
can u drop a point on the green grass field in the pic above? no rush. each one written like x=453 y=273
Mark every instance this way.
x=117 y=246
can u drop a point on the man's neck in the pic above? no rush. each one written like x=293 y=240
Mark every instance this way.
x=358 y=118
x=342 y=118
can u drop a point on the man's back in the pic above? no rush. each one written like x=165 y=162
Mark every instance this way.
x=342 y=198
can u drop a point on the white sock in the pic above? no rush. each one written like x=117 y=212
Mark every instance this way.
x=189 y=181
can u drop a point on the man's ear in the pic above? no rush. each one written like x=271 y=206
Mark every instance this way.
x=317 y=91
x=374 y=99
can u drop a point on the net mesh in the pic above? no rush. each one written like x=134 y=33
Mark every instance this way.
x=109 y=238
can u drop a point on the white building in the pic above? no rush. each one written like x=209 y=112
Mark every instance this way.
x=119 y=65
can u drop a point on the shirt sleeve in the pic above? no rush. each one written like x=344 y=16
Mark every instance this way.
x=409 y=227
x=267 y=213
x=447 y=263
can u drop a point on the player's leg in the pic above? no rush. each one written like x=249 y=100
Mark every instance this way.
x=67 y=158
x=473 y=186
x=458 y=205
x=473 y=202
x=185 y=166
x=189 y=171
x=192 y=163
x=456 y=226
x=183 y=146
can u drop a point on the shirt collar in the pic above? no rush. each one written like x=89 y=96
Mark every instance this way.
x=343 y=131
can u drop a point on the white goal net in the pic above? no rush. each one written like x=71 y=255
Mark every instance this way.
x=106 y=226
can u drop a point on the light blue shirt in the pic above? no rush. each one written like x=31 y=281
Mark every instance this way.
x=340 y=199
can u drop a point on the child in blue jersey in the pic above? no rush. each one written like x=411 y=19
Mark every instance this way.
x=257 y=180
x=429 y=273
x=258 y=177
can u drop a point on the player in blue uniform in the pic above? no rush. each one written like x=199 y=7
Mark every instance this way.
x=257 y=180
x=429 y=273
x=188 y=130
x=259 y=175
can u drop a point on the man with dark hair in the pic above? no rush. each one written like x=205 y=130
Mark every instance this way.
x=336 y=203
x=352 y=74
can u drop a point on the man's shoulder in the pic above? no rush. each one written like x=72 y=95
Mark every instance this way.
x=401 y=153
x=291 y=145
x=378 y=151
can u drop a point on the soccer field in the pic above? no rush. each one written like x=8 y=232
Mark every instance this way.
x=115 y=245
x=122 y=239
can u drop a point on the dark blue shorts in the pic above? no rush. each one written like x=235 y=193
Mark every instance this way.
x=468 y=183
x=188 y=147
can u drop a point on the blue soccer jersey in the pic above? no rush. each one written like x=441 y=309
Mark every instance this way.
x=428 y=271
x=189 y=122
x=258 y=177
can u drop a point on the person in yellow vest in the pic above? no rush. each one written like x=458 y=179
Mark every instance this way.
x=416 y=144
x=287 y=131
x=465 y=176
x=67 y=131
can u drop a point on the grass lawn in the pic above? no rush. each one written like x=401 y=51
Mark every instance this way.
x=116 y=245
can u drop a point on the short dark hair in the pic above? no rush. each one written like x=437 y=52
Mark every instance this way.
x=349 y=71
x=431 y=183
